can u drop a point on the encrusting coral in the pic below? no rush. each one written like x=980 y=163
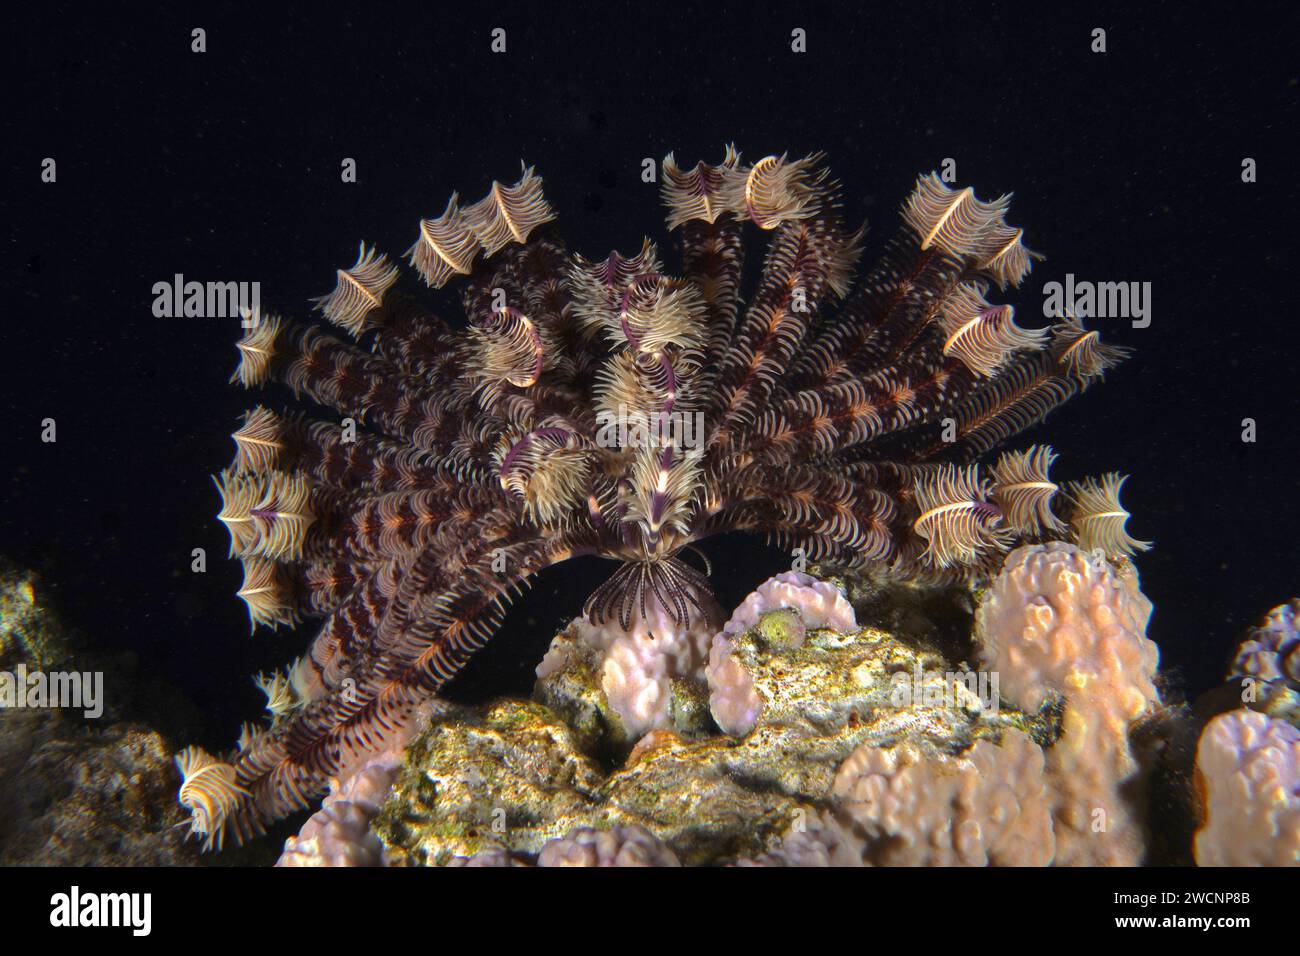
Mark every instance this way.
x=608 y=407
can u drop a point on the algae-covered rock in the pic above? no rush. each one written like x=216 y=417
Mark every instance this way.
x=509 y=776
x=498 y=783
x=30 y=632
x=73 y=796
x=79 y=786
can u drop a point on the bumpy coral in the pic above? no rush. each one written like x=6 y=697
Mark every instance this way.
x=621 y=846
x=1248 y=776
x=338 y=834
x=639 y=667
x=1271 y=650
x=990 y=806
x=492 y=857
x=1265 y=670
x=1061 y=622
x=815 y=840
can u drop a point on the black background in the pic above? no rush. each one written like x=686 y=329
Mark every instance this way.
x=225 y=165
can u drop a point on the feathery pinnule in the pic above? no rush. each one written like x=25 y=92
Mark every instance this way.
x=266 y=514
x=210 y=791
x=1011 y=262
x=446 y=246
x=957 y=520
x=1024 y=492
x=259 y=443
x=256 y=350
x=1082 y=352
x=981 y=335
x=666 y=481
x=547 y=472
x=509 y=348
x=280 y=698
x=700 y=193
x=1097 y=517
x=656 y=313
x=508 y=213
x=239 y=492
x=632 y=388
x=248 y=732
x=775 y=190
x=267 y=593
x=359 y=292
x=283 y=516
x=837 y=415
x=600 y=288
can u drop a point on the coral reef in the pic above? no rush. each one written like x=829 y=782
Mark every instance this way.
x=608 y=407
x=70 y=796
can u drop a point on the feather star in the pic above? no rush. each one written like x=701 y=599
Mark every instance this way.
x=842 y=418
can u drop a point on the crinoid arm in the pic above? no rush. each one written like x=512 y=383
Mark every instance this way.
x=625 y=405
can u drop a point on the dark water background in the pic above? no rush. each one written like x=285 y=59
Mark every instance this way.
x=1126 y=167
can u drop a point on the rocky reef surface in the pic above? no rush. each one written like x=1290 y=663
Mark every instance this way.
x=829 y=721
x=76 y=791
x=511 y=778
x=843 y=721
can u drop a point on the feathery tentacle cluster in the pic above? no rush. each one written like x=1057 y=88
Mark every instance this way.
x=608 y=407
